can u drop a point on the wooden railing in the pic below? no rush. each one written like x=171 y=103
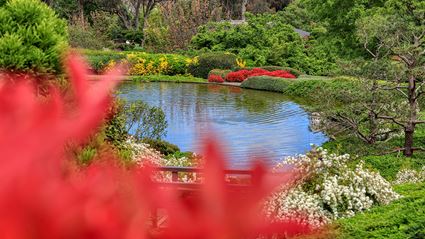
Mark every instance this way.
x=176 y=170
x=193 y=186
x=158 y=217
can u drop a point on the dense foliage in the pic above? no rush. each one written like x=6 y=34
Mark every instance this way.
x=32 y=37
x=265 y=40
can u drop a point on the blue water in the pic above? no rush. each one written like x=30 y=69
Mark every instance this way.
x=247 y=122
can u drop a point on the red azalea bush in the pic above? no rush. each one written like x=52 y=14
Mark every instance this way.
x=215 y=78
x=241 y=75
x=44 y=195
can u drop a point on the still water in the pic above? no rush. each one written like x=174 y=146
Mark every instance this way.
x=247 y=122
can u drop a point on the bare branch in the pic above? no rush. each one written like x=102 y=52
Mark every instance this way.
x=393 y=119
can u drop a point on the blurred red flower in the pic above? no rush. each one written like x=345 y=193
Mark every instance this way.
x=43 y=196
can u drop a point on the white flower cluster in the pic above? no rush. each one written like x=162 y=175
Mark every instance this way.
x=410 y=176
x=330 y=189
x=142 y=153
x=296 y=203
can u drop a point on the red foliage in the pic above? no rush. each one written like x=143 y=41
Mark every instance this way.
x=241 y=75
x=43 y=196
x=236 y=76
x=215 y=78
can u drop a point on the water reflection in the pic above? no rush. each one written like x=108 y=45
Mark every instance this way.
x=248 y=122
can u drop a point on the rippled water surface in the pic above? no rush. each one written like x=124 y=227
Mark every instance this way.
x=248 y=122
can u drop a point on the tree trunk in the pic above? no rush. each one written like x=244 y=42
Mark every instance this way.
x=147 y=9
x=243 y=9
x=145 y=18
x=409 y=129
x=409 y=132
x=81 y=13
x=137 y=15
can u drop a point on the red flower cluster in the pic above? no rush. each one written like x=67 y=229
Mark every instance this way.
x=215 y=78
x=241 y=75
x=43 y=196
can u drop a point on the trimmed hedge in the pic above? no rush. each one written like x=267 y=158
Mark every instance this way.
x=306 y=87
x=209 y=61
x=267 y=83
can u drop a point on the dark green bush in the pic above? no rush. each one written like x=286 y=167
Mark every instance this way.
x=267 y=39
x=162 y=146
x=209 y=61
x=32 y=37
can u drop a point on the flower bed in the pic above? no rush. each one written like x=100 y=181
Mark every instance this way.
x=242 y=75
x=140 y=63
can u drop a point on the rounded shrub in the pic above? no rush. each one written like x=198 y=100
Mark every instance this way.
x=32 y=37
x=210 y=61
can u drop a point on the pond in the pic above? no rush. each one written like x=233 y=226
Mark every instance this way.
x=248 y=122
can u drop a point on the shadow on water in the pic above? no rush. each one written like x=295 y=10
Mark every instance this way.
x=248 y=122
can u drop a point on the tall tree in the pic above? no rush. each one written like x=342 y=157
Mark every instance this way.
x=399 y=29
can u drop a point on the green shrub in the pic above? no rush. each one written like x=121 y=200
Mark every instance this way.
x=162 y=146
x=404 y=218
x=219 y=72
x=32 y=37
x=115 y=125
x=267 y=83
x=145 y=121
x=209 y=61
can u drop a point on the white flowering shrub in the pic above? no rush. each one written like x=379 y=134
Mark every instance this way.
x=142 y=153
x=410 y=176
x=330 y=188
